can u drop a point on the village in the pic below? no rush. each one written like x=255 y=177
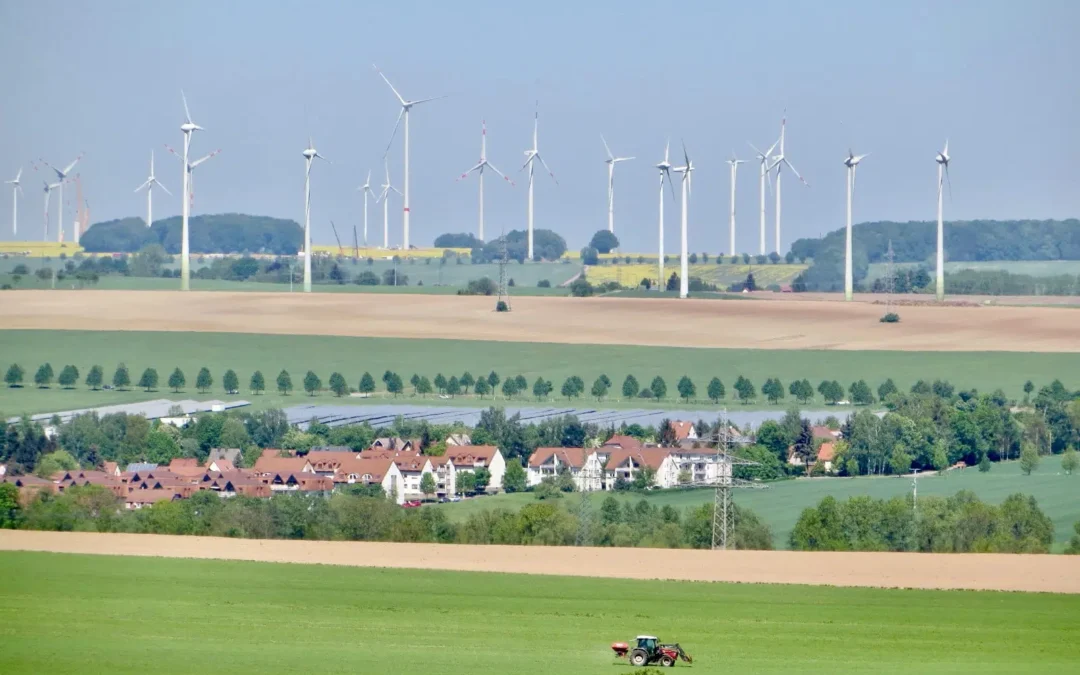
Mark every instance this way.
x=400 y=469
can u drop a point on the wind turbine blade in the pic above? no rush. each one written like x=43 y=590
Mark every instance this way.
x=670 y=182
x=388 y=84
x=947 y=179
x=550 y=172
x=187 y=113
x=146 y=184
x=73 y=163
x=464 y=175
x=795 y=172
x=773 y=147
x=382 y=195
x=18 y=175
x=753 y=147
x=492 y=167
x=610 y=156
x=393 y=134
x=526 y=164
x=425 y=100
x=323 y=158
x=946 y=153
x=158 y=183
x=174 y=153
x=667 y=152
x=203 y=159
x=397 y=191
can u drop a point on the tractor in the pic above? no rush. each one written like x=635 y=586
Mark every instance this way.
x=648 y=651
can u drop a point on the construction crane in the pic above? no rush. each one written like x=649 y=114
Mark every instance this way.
x=340 y=248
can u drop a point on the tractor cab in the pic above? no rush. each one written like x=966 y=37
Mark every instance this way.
x=648 y=642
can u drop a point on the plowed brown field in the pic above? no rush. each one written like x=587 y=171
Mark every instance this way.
x=1034 y=573
x=776 y=324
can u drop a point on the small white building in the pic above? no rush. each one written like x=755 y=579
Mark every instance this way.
x=473 y=457
x=584 y=466
x=626 y=464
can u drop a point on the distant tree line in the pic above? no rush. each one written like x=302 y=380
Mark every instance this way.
x=547 y=245
x=979 y=282
x=223 y=233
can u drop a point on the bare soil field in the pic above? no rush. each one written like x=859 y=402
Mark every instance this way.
x=775 y=324
x=1032 y=573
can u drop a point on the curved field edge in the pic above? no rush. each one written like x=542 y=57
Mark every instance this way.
x=136 y=615
x=1031 y=573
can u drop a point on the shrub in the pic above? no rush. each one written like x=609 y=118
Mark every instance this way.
x=543 y=283
x=501 y=306
x=891 y=317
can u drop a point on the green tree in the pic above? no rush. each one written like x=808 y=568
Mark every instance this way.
x=773 y=390
x=94 y=378
x=1070 y=462
x=523 y=384
x=802 y=390
x=482 y=477
x=467 y=381
x=509 y=387
x=453 y=386
x=54 y=462
x=604 y=241
x=230 y=382
x=121 y=378
x=395 y=385
x=44 y=375
x=745 y=389
x=284 y=382
x=338 y=385
x=203 y=381
x=921 y=388
x=10 y=510
x=258 y=382
x=686 y=388
x=1029 y=459
x=599 y=388
x=658 y=388
x=630 y=387
x=69 y=376
x=312 y=383
x=427 y=484
x=984 y=463
x=886 y=389
x=514 y=478
x=831 y=391
x=482 y=388
x=466 y=483
x=1072 y=549
x=414 y=380
x=493 y=380
x=149 y=379
x=716 y=390
x=177 y=380
x=14 y=376
x=423 y=386
x=440 y=383
x=573 y=387
x=861 y=393
x=1029 y=387
x=367 y=384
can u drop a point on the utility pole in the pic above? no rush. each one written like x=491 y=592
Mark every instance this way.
x=890 y=279
x=504 y=291
x=915 y=490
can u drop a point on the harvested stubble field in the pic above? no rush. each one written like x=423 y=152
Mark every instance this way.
x=800 y=324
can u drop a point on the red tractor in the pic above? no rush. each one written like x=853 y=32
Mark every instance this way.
x=648 y=651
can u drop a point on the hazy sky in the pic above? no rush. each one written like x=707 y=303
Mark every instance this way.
x=998 y=78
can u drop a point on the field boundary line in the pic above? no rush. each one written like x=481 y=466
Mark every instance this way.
x=957 y=571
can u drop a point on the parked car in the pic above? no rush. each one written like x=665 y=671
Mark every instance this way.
x=412 y=503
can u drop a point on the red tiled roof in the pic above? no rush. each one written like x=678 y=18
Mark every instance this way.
x=823 y=432
x=573 y=457
x=827 y=452
x=468 y=455
x=621 y=441
x=682 y=429
x=650 y=457
x=376 y=467
x=266 y=465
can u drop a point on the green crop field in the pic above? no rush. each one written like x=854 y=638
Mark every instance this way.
x=780 y=505
x=1035 y=268
x=351 y=356
x=104 y=614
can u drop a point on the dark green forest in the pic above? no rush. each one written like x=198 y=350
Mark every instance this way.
x=223 y=233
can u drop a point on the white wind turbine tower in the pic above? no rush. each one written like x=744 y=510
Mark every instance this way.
x=406 y=106
x=16 y=188
x=684 y=277
x=530 y=161
x=942 y=160
x=62 y=176
x=149 y=187
x=734 y=163
x=852 y=163
x=384 y=197
x=48 y=192
x=310 y=153
x=186 y=193
x=611 y=161
x=665 y=171
x=763 y=158
x=480 y=166
x=366 y=189
x=779 y=161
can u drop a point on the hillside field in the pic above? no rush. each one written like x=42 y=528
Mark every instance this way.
x=352 y=356
x=721 y=275
x=779 y=506
x=137 y=615
x=1035 y=268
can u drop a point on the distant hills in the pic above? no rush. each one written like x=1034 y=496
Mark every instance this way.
x=222 y=233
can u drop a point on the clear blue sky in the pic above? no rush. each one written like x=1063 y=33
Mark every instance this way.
x=996 y=77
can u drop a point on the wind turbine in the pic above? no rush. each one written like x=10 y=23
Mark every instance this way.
x=185 y=206
x=16 y=188
x=366 y=189
x=779 y=161
x=611 y=161
x=62 y=176
x=48 y=192
x=685 y=170
x=763 y=158
x=310 y=153
x=942 y=160
x=734 y=162
x=149 y=187
x=665 y=171
x=851 y=162
x=480 y=166
x=406 y=106
x=530 y=160
x=384 y=197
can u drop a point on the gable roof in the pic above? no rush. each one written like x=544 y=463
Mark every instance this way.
x=459 y=439
x=827 y=452
x=228 y=454
x=683 y=430
x=221 y=465
x=469 y=455
x=328 y=460
x=824 y=432
x=572 y=457
x=376 y=467
x=650 y=457
x=266 y=465
x=623 y=441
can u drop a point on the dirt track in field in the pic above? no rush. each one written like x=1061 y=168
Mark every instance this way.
x=1034 y=573
x=775 y=324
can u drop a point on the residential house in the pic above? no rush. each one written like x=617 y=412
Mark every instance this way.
x=380 y=471
x=473 y=457
x=458 y=439
x=697 y=464
x=29 y=486
x=626 y=464
x=142 y=498
x=684 y=430
x=445 y=475
x=187 y=466
x=396 y=444
x=326 y=463
x=826 y=453
x=624 y=442
x=583 y=465
x=111 y=468
x=823 y=433
x=232 y=455
x=266 y=466
x=220 y=465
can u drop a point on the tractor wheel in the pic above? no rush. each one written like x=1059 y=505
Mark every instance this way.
x=667 y=662
x=639 y=657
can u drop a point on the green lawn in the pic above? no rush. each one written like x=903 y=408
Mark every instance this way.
x=246 y=353
x=780 y=505
x=102 y=614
